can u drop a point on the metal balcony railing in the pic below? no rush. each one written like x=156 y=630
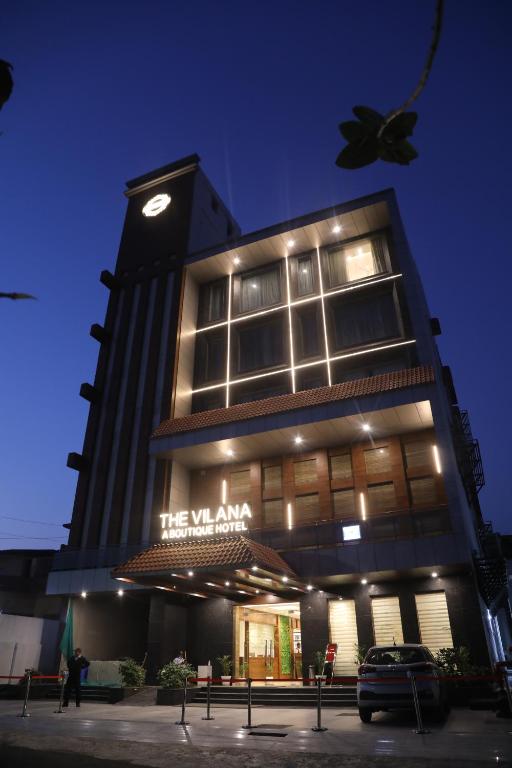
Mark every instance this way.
x=468 y=453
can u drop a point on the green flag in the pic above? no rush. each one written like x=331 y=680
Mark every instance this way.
x=66 y=643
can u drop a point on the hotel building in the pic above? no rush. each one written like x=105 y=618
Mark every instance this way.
x=275 y=456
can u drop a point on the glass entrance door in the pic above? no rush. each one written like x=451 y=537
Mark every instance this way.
x=268 y=642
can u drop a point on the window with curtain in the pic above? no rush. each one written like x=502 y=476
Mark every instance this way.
x=363 y=319
x=273 y=478
x=306 y=508
x=240 y=483
x=344 y=504
x=381 y=498
x=210 y=364
x=377 y=460
x=261 y=288
x=418 y=453
x=212 y=302
x=305 y=472
x=305 y=279
x=423 y=491
x=341 y=466
x=260 y=343
x=273 y=513
x=356 y=261
x=308 y=342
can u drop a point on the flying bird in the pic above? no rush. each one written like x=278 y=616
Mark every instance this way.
x=15 y=296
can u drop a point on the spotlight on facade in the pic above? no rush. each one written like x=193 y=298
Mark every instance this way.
x=309 y=587
x=191 y=573
x=298 y=440
x=236 y=260
x=366 y=428
x=230 y=452
x=120 y=592
x=290 y=243
x=83 y=594
x=285 y=579
x=227 y=583
x=336 y=229
x=434 y=574
x=364 y=581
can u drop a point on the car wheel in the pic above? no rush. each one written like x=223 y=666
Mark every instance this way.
x=365 y=715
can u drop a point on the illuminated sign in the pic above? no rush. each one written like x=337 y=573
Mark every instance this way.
x=156 y=205
x=228 y=518
x=351 y=532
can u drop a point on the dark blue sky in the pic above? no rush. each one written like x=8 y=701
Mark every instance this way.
x=106 y=91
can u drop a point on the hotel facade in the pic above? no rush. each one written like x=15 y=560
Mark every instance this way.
x=275 y=457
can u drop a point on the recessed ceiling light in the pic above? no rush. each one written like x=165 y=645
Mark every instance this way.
x=309 y=587
x=434 y=574
x=242 y=592
x=298 y=440
x=364 y=581
x=254 y=568
x=336 y=229
x=366 y=427
x=285 y=579
x=120 y=592
x=320 y=591
x=290 y=243
x=83 y=594
x=191 y=573
x=227 y=583
x=257 y=591
x=236 y=260
x=340 y=598
x=230 y=452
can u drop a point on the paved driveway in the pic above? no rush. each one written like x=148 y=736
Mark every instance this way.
x=149 y=736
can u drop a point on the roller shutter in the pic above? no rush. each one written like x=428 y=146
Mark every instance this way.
x=387 y=622
x=433 y=620
x=343 y=630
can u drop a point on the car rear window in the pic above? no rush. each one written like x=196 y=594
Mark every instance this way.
x=394 y=655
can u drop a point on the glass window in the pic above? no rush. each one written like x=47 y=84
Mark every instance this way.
x=212 y=302
x=311 y=378
x=272 y=478
x=423 y=491
x=260 y=389
x=341 y=466
x=305 y=280
x=209 y=401
x=260 y=289
x=418 y=454
x=240 y=483
x=210 y=364
x=357 y=261
x=360 y=320
x=344 y=504
x=377 y=460
x=306 y=332
x=260 y=344
x=306 y=508
x=304 y=472
x=381 y=498
x=273 y=513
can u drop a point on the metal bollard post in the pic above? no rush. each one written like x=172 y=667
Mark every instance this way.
x=506 y=685
x=24 y=713
x=208 y=694
x=318 y=726
x=64 y=676
x=249 y=704
x=420 y=729
x=183 y=705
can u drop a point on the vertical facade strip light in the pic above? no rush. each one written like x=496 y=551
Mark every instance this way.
x=228 y=355
x=224 y=488
x=289 y=516
x=322 y=302
x=362 y=504
x=290 y=329
x=437 y=460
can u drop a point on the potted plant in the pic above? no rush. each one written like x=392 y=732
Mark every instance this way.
x=132 y=674
x=456 y=662
x=172 y=678
x=320 y=664
x=226 y=665
x=243 y=668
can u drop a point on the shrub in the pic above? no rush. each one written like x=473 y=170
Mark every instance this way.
x=133 y=674
x=173 y=675
x=319 y=662
x=225 y=664
x=457 y=661
x=360 y=652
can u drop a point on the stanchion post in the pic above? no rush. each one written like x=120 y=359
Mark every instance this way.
x=208 y=700
x=506 y=685
x=63 y=679
x=318 y=727
x=28 y=676
x=249 y=705
x=183 y=704
x=420 y=728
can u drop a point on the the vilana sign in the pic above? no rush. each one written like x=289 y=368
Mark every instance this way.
x=228 y=518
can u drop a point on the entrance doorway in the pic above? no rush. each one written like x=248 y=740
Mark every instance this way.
x=268 y=642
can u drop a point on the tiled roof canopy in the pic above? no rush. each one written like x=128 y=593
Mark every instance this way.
x=229 y=553
x=386 y=382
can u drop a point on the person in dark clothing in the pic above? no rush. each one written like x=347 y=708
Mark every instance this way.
x=76 y=663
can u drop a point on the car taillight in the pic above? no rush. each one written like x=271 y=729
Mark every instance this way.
x=365 y=668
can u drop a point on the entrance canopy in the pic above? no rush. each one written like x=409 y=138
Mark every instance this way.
x=232 y=566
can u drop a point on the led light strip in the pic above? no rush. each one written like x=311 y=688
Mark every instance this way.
x=289 y=516
x=321 y=283
x=228 y=355
x=362 y=502
x=292 y=356
x=296 y=302
x=323 y=361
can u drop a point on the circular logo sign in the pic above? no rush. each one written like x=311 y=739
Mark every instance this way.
x=156 y=205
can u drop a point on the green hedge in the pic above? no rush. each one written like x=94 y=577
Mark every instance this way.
x=285 y=649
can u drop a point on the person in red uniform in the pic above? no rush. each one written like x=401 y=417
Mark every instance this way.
x=76 y=663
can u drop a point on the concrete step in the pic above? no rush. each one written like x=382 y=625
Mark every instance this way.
x=277 y=696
